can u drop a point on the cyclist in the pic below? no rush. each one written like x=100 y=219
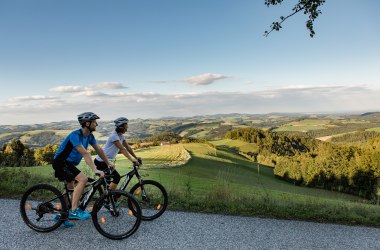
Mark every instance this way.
x=116 y=143
x=69 y=155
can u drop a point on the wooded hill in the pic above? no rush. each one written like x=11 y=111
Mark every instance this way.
x=313 y=163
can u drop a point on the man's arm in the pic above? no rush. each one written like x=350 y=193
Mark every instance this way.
x=87 y=157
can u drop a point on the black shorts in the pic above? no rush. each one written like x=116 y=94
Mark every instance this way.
x=65 y=171
x=101 y=165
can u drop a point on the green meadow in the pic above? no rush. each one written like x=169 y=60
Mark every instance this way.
x=216 y=179
x=305 y=125
x=374 y=129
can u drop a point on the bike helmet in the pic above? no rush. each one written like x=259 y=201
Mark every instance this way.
x=119 y=122
x=87 y=117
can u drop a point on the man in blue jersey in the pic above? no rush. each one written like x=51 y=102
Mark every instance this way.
x=69 y=155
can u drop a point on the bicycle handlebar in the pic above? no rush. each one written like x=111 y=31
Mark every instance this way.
x=107 y=173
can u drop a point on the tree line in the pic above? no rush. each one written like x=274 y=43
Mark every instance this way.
x=16 y=154
x=313 y=163
x=338 y=128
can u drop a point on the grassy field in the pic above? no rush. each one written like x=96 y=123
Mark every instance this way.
x=218 y=180
x=237 y=145
x=305 y=125
x=374 y=129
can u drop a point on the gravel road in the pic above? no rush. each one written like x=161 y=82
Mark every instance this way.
x=180 y=230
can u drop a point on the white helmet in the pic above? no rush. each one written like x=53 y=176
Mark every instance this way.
x=87 y=117
x=119 y=122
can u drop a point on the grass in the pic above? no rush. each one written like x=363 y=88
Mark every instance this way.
x=305 y=125
x=217 y=180
x=241 y=145
x=377 y=129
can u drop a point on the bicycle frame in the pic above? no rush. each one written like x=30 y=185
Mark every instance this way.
x=87 y=195
x=129 y=176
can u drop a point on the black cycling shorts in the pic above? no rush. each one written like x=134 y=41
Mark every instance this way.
x=65 y=170
x=101 y=165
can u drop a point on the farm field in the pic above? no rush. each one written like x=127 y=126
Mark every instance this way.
x=306 y=125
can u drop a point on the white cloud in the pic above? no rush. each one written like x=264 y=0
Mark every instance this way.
x=68 y=89
x=204 y=79
x=337 y=98
x=32 y=98
x=95 y=87
x=90 y=93
x=109 y=85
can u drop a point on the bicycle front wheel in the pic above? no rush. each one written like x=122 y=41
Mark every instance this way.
x=43 y=208
x=116 y=215
x=152 y=198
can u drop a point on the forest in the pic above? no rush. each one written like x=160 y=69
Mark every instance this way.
x=309 y=162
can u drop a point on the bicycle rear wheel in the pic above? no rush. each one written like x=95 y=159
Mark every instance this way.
x=116 y=215
x=152 y=198
x=43 y=208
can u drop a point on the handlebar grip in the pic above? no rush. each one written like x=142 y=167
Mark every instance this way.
x=108 y=171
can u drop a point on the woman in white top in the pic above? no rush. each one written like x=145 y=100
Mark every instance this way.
x=116 y=143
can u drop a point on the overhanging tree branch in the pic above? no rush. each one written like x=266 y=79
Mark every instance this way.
x=309 y=7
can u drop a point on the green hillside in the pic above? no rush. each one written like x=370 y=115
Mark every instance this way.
x=217 y=179
x=207 y=168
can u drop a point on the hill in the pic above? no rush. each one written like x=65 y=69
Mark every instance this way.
x=211 y=127
x=217 y=179
x=310 y=162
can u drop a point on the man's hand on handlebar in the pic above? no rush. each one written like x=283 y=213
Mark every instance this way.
x=100 y=173
x=136 y=163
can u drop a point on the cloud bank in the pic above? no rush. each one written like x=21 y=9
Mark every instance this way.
x=337 y=98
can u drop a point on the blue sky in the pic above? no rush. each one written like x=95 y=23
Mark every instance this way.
x=155 y=58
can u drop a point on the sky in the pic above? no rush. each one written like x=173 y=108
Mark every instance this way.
x=160 y=58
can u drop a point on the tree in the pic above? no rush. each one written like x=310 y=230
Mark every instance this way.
x=15 y=147
x=45 y=155
x=16 y=154
x=309 y=7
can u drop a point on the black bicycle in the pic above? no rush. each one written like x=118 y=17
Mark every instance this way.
x=44 y=208
x=151 y=195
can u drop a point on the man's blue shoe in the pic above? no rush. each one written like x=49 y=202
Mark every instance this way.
x=66 y=223
x=78 y=214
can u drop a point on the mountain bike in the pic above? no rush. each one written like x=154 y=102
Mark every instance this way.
x=150 y=194
x=44 y=208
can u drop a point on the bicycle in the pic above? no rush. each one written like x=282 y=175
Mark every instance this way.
x=44 y=208
x=150 y=194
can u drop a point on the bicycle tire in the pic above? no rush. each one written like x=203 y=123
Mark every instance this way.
x=113 y=221
x=155 y=204
x=39 y=207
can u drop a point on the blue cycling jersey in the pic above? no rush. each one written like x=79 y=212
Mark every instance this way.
x=67 y=150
